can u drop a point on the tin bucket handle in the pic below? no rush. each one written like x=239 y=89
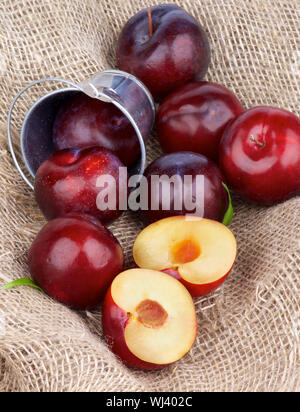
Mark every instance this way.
x=10 y=113
x=102 y=92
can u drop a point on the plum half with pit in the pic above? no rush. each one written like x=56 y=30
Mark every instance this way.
x=200 y=253
x=142 y=321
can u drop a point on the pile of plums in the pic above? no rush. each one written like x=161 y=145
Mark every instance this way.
x=149 y=317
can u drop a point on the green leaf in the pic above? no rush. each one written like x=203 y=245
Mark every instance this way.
x=229 y=214
x=22 y=282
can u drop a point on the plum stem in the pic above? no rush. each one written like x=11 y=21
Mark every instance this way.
x=260 y=144
x=150 y=23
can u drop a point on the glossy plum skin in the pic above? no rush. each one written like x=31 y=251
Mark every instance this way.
x=194 y=289
x=74 y=259
x=183 y=164
x=177 y=52
x=194 y=117
x=67 y=182
x=114 y=321
x=260 y=155
x=84 y=122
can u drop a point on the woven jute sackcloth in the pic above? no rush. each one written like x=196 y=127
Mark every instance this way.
x=248 y=337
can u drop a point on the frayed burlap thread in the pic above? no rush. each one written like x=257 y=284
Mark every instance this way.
x=249 y=330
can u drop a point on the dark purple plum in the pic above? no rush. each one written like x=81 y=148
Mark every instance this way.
x=165 y=47
x=84 y=121
x=211 y=194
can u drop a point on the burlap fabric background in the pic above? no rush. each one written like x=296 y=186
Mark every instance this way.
x=249 y=329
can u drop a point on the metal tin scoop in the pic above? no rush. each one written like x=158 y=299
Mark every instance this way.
x=112 y=86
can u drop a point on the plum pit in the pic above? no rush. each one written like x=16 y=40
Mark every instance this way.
x=185 y=251
x=151 y=314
